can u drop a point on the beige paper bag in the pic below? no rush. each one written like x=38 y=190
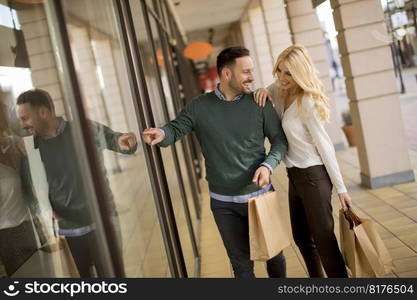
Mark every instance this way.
x=62 y=259
x=267 y=235
x=362 y=247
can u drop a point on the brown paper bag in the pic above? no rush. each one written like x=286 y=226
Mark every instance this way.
x=267 y=235
x=362 y=248
x=62 y=259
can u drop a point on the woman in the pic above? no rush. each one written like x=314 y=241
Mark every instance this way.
x=17 y=200
x=311 y=161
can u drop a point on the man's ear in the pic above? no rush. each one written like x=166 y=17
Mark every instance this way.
x=227 y=73
x=43 y=111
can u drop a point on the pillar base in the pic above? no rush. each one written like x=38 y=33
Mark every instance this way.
x=387 y=180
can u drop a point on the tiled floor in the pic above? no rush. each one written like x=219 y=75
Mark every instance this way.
x=392 y=209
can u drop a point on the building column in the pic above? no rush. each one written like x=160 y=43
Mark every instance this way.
x=261 y=43
x=234 y=37
x=277 y=27
x=371 y=87
x=43 y=66
x=306 y=30
x=265 y=32
x=249 y=43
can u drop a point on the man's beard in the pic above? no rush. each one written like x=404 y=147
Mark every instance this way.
x=239 y=89
x=249 y=88
x=40 y=130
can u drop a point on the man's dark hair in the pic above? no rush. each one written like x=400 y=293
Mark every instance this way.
x=36 y=98
x=227 y=57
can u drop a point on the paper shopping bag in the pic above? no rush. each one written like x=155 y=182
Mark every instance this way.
x=267 y=235
x=62 y=259
x=362 y=247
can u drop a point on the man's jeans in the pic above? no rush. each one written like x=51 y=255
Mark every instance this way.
x=233 y=224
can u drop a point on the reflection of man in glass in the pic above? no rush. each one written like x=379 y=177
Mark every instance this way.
x=53 y=137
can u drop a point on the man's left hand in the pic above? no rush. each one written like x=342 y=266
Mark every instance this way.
x=127 y=141
x=261 y=177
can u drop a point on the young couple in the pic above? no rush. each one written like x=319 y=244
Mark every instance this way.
x=231 y=124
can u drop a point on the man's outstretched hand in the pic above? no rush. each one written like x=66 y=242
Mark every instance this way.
x=152 y=136
x=127 y=141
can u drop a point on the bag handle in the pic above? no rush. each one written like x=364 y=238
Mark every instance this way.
x=352 y=218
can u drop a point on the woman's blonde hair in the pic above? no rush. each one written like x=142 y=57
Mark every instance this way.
x=299 y=63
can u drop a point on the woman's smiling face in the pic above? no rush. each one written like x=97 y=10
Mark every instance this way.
x=286 y=81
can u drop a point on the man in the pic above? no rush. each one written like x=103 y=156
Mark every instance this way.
x=67 y=194
x=231 y=130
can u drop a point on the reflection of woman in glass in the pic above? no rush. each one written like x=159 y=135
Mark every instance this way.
x=311 y=161
x=17 y=237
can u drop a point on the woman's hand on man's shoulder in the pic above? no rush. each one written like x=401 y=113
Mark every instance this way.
x=261 y=96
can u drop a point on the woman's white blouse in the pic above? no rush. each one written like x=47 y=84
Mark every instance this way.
x=13 y=210
x=308 y=142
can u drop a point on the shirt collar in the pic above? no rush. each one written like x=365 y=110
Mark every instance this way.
x=61 y=126
x=221 y=96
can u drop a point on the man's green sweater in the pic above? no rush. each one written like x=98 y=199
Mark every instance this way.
x=231 y=135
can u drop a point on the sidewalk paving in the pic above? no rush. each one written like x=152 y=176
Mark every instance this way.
x=393 y=209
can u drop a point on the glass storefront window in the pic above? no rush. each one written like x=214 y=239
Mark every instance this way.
x=77 y=197
x=45 y=197
x=95 y=44
x=159 y=90
x=171 y=83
